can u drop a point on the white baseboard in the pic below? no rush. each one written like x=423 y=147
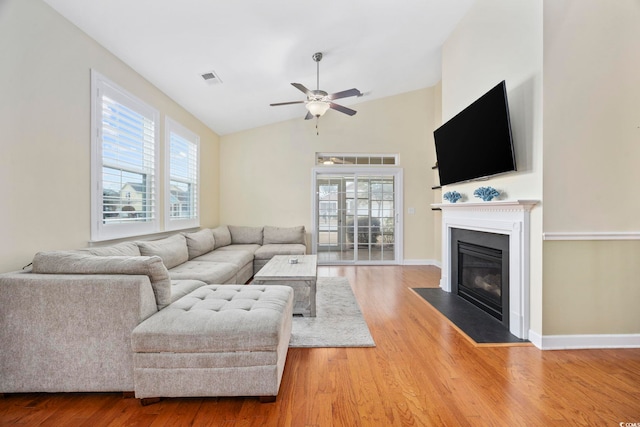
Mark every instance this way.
x=535 y=338
x=421 y=262
x=575 y=342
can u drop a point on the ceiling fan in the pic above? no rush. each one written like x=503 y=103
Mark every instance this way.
x=319 y=101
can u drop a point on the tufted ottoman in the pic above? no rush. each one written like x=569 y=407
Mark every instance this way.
x=219 y=340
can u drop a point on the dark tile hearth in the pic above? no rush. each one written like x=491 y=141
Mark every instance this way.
x=478 y=325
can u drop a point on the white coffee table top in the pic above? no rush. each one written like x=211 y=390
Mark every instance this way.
x=279 y=268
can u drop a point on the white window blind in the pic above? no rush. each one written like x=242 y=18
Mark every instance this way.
x=182 y=184
x=124 y=163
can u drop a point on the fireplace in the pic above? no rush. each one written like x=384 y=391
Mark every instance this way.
x=480 y=270
x=504 y=217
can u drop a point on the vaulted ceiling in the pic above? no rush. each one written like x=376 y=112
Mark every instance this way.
x=258 y=48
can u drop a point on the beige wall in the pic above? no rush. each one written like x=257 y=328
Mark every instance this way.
x=591 y=115
x=266 y=172
x=45 y=140
x=502 y=40
x=591 y=157
x=437 y=194
x=591 y=287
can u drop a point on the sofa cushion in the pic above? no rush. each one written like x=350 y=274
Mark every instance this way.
x=269 y=251
x=208 y=272
x=239 y=258
x=119 y=249
x=200 y=242
x=221 y=236
x=242 y=235
x=284 y=235
x=245 y=248
x=61 y=262
x=173 y=250
x=180 y=288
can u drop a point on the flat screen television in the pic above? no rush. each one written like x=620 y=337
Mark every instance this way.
x=477 y=142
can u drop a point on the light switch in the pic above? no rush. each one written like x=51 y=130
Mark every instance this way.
x=411 y=211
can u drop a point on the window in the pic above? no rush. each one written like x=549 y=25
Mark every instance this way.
x=338 y=159
x=124 y=165
x=181 y=171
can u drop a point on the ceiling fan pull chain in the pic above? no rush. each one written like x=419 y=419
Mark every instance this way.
x=317 y=131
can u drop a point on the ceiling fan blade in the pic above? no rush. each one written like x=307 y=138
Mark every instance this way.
x=302 y=89
x=345 y=94
x=342 y=109
x=309 y=116
x=287 y=103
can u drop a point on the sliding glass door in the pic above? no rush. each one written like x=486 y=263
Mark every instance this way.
x=356 y=216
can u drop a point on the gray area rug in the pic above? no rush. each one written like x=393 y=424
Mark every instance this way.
x=338 y=321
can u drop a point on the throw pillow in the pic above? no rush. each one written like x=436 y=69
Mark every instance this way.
x=119 y=249
x=241 y=235
x=284 y=235
x=221 y=236
x=173 y=250
x=200 y=242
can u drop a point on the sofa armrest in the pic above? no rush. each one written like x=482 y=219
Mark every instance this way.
x=68 y=332
x=72 y=262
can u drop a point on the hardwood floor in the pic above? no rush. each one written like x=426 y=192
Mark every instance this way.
x=423 y=372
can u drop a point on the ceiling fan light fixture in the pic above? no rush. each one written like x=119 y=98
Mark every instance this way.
x=317 y=108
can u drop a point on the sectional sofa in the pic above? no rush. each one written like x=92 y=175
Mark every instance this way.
x=163 y=318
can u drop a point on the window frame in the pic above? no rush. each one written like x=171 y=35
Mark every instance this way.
x=100 y=231
x=171 y=224
x=335 y=159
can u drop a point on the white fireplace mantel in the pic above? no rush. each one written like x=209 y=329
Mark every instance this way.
x=510 y=217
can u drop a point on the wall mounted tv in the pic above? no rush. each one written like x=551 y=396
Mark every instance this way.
x=477 y=142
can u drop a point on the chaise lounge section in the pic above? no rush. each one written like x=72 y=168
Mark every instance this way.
x=217 y=341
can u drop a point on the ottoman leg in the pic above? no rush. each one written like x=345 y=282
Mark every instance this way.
x=267 y=399
x=146 y=401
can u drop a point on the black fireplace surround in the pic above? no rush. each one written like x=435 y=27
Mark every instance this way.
x=480 y=270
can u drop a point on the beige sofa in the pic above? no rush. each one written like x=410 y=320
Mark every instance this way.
x=86 y=320
x=223 y=255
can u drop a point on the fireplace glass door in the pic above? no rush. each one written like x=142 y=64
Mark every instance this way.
x=480 y=277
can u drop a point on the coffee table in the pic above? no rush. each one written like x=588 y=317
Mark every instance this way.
x=300 y=276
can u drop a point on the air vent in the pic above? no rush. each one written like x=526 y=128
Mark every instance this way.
x=210 y=77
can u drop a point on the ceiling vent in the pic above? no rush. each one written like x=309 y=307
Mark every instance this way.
x=211 y=78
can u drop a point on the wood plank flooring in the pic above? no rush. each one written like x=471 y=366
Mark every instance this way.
x=423 y=372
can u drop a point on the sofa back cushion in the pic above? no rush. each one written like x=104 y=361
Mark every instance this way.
x=119 y=249
x=221 y=236
x=241 y=235
x=63 y=262
x=200 y=242
x=173 y=250
x=284 y=235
